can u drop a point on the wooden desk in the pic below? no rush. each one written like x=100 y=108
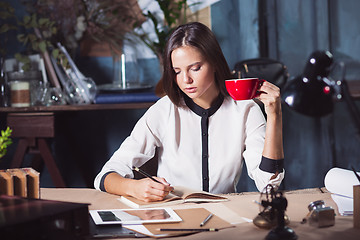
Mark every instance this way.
x=34 y=125
x=240 y=205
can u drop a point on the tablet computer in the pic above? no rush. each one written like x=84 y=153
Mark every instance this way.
x=134 y=216
x=110 y=231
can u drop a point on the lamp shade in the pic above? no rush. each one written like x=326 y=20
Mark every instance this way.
x=308 y=93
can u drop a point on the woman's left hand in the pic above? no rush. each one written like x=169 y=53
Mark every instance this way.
x=270 y=96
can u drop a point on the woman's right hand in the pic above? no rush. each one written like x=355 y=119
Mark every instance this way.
x=149 y=191
x=144 y=189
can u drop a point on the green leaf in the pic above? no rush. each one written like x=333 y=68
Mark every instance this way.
x=5 y=15
x=26 y=67
x=22 y=58
x=33 y=21
x=6 y=6
x=48 y=44
x=27 y=19
x=55 y=53
x=35 y=46
x=32 y=37
x=18 y=57
x=20 y=37
x=42 y=46
x=43 y=21
x=5 y=141
x=4 y=28
x=26 y=40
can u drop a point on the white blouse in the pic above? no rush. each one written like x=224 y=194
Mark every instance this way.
x=236 y=132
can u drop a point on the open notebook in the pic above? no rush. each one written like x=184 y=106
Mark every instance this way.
x=179 y=195
x=340 y=183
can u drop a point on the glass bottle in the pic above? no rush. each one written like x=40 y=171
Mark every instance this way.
x=4 y=88
x=85 y=86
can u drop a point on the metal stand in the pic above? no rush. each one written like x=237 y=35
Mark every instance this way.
x=280 y=232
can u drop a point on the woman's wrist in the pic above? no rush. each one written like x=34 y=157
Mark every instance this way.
x=274 y=118
x=275 y=112
x=116 y=184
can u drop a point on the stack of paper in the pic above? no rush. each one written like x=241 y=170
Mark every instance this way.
x=191 y=219
x=150 y=221
x=340 y=183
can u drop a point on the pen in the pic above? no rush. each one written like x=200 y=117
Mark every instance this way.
x=257 y=202
x=145 y=174
x=190 y=229
x=206 y=220
x=357 y=175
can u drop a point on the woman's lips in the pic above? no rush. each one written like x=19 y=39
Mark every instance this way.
x=190 y=89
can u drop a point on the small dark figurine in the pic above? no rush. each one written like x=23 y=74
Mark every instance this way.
x=274 y=214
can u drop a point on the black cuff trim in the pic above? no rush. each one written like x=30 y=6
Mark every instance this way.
x=271 y=165
x=102 y=186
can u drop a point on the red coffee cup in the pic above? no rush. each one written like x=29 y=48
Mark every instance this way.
x=243 y=88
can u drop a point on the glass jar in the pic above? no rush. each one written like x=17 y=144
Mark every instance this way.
x=25 y=87
x=4 y=87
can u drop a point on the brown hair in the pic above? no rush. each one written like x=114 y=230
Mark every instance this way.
x=196 y=35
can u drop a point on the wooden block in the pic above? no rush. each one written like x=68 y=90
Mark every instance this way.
x=356 y=214
x=19 y=179
x=6 y=183
x=32 y=182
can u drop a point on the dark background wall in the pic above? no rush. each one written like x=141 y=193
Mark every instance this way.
x=286 y=30
x=290 y=31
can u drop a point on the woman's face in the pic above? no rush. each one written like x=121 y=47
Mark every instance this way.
x=195 y=76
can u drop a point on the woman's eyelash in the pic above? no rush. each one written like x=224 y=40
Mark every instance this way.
x=196 y=68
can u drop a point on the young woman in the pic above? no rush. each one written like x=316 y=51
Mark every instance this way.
x=201 y=134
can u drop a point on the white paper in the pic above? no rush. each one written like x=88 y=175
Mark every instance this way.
x=340 y=183
x=345 y=205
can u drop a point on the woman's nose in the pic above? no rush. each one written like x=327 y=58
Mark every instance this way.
x=186 y=78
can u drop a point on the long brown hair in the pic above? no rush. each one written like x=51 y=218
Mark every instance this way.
x=196 y=35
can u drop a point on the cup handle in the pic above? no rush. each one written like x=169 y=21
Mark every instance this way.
x=261 y=81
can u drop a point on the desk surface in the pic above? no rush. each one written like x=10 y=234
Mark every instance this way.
x=240 y=206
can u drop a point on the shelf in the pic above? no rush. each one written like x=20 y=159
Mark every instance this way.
x=87 y=107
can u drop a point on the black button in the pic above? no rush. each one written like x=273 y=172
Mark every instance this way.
x=204 y=134
x=205 y=156
x=205 y=178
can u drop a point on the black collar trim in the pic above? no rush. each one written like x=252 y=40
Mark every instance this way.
x=201 y=111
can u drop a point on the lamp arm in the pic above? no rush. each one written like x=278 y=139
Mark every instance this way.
x=354 y=111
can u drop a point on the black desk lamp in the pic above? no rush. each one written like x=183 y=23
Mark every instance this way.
x=313 y=92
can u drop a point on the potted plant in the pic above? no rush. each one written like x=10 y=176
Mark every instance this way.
x=175 y=13
x=5 y=141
